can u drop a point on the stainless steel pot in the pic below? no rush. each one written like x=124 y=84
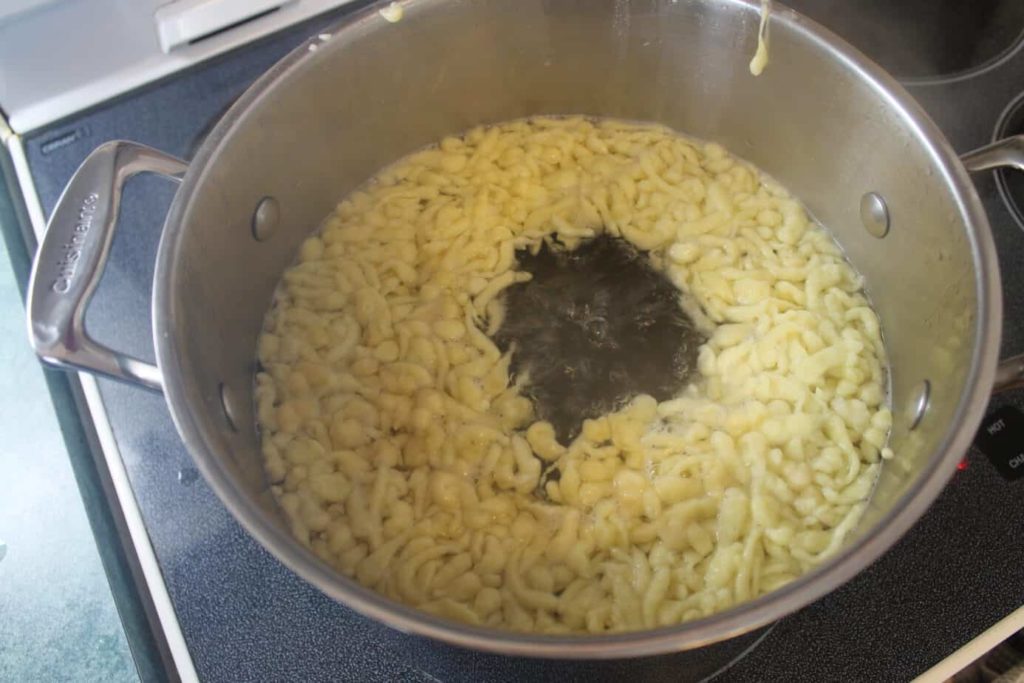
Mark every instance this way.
x=822 y=119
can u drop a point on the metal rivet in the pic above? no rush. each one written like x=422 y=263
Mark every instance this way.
x=874 y=214
x=228 y=405
x=265 y=219
x=187 y=476
x=919 y=400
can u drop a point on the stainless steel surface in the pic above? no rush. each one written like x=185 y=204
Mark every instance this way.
x=301 y=136
x=227 y=403
x=70 y=262
x=1005 y=153
x=1009 y=122
x=265 y=219
x=874 y=214
x=1008 y=152
x=919 y=404
x=1009 y=374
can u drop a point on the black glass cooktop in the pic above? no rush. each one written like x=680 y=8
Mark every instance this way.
x=924 y=39
x=245 y=617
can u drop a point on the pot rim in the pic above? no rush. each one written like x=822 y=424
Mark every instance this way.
x=182 y=394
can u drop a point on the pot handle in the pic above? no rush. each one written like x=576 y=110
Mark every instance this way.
x=1005 y=153
x=72 y=256
x=1000 y=154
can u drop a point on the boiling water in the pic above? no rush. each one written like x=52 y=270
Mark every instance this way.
x=595 y=327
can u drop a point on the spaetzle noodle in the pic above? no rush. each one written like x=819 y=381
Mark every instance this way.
x=402 y=453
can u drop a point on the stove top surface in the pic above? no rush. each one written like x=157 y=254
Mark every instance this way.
x=245 y=616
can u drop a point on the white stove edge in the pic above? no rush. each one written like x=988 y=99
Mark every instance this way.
x=56 y=79
x=975 y=649
x=115 y=464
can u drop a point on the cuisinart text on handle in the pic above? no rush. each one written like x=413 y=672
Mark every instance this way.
x=71 y=251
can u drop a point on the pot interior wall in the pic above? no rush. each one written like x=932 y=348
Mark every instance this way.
x=377 y=91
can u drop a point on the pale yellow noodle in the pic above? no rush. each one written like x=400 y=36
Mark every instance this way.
x=402 y=455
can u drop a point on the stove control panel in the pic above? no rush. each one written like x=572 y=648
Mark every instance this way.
x=1001 y=439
